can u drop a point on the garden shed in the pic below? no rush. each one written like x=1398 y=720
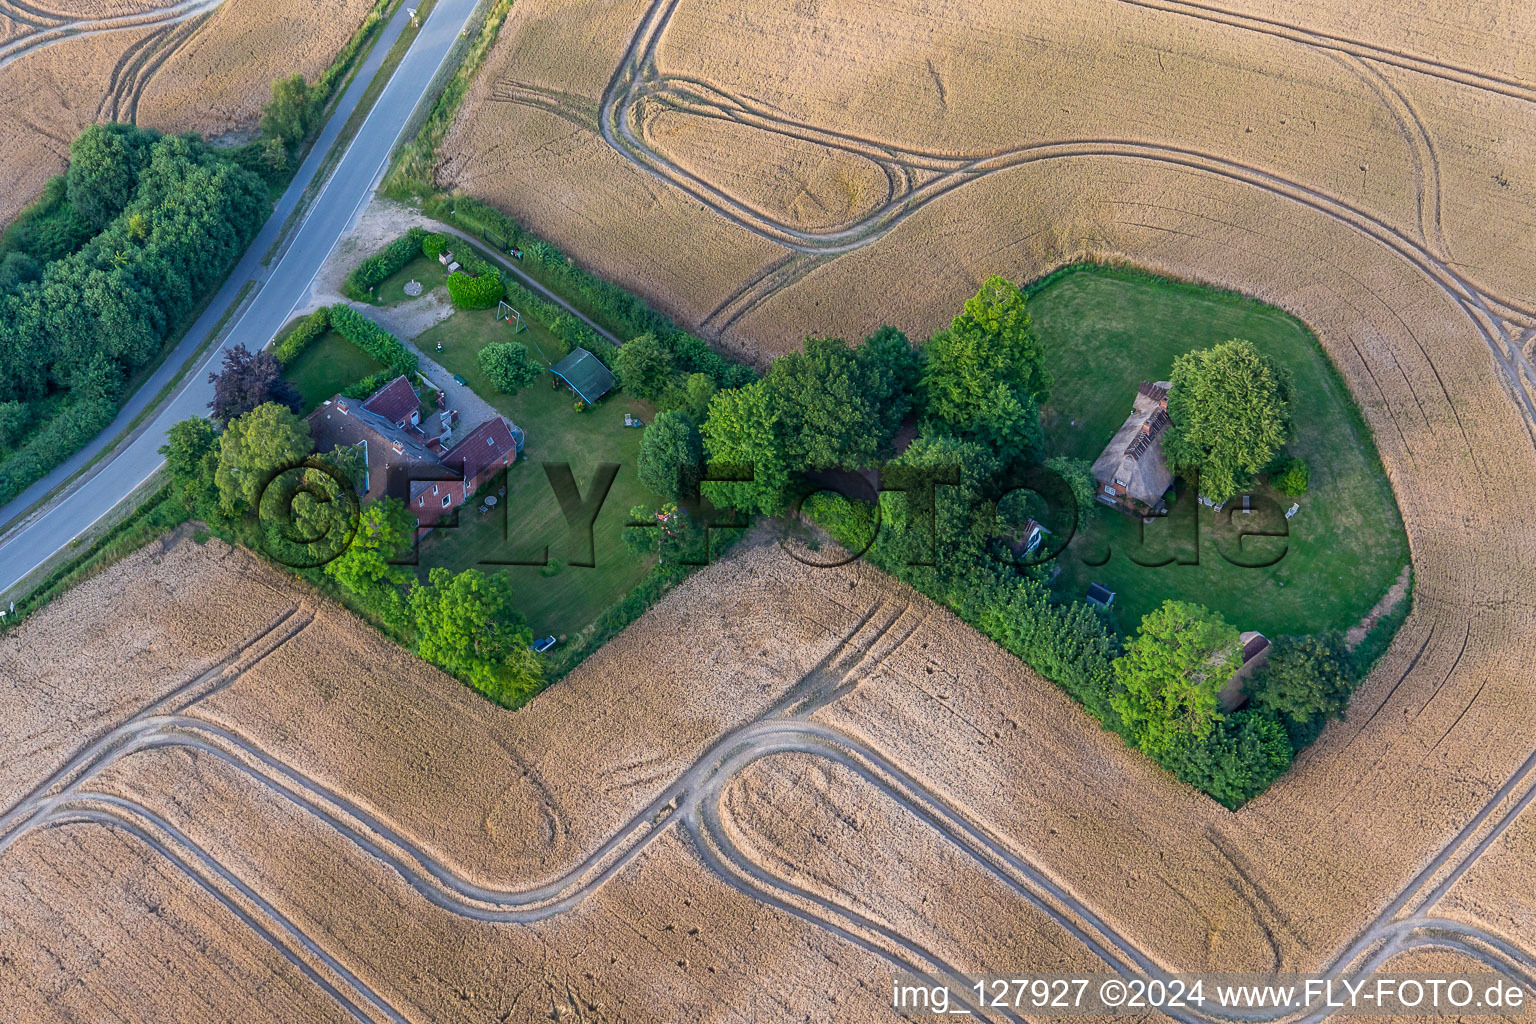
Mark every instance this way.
x=586 y=375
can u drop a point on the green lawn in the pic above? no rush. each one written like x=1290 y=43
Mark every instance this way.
x=529 y=517
x=428 y=271
x=1105 y=330
x=328 y=366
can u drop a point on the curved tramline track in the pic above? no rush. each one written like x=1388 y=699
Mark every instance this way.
x=47 y=32
x=133 y=71
x=693 y=801
x=915 y=178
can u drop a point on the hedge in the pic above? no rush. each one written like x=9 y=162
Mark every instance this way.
x=481 y=292
x=1071 y=645
x=305 y=334
x=434 y=245
x=374 y=340
x=626 y=315
x=369 y=384
x=374 y=270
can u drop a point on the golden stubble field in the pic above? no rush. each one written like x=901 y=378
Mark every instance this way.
x=765 y=170
x=202 y=65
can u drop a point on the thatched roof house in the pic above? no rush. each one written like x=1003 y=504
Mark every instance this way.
x=1131 y=471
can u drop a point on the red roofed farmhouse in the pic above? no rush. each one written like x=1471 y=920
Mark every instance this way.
x=484 y=452
x=396 y=402
x=403 y=462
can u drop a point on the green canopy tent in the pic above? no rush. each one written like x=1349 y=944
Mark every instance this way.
x=586 y=375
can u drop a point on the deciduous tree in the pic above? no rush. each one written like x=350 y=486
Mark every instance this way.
x=1170 y=675
x=832 y=404
x=191 y=453
x=985 y=376
x=1306 y=678
x=290 y=114
x=743 y=432
x=1230 y=407
x=370 y=566
x=671 y=456
x=104 y=165
x=268 y=439
x=508 y=366
x=1078 y=475
x=644 y=367
x=247 y=380
x=1237 y=760
x=467 y=625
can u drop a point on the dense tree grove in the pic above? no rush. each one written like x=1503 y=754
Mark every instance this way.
x=970 y=400
x=173 y=216
x=190 y=215
x=105 y=161
x=468 y=625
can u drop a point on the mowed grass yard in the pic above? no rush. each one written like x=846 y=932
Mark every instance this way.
x=426 y=271
x=327 y=367
x=529 y=517
x=1105 y=331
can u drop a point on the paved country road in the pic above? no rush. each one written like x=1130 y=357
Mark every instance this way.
x=278 y=289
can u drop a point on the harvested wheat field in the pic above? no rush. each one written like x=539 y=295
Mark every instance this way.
x=197 y=65
x=780 y=785
x=764 y=170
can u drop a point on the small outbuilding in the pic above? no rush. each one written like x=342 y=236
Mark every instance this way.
x=586 y=375
x=1100 y=596
x=1255 y=652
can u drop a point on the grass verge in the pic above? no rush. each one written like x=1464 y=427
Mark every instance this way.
x=160 y=512
x=410 y=173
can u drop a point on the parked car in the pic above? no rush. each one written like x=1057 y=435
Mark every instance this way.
x=543 y=643
x=460 y=381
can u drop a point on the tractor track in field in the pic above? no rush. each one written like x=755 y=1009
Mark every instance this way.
x=27 y=14
x=694 y=801
x=1444 y=70
x=127 y=64
x=52 y=32
x=918 y=177
x=139 y=63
